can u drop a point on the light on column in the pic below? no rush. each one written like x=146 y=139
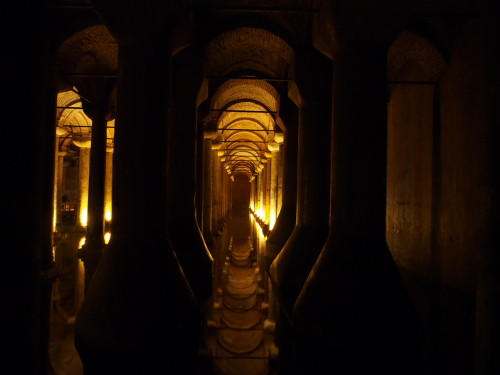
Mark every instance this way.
x=83 y=217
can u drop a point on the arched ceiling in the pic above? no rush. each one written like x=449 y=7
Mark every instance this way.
x=73 y=125
x=90 y=54
x=243 y=65
x=249 y=49
x=243 y=110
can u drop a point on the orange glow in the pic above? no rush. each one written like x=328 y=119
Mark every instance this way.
x=107 y=237
x=82 y=242
x=83 y=217
x=107 y=215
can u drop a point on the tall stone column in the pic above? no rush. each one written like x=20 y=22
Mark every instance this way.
x=91 y=251
x=207 y=191
x=285 y=222
x=199 y=185
x=59 y=184
x=279 y=182
x=139 y=314
x=48 y=270
x=216 y=169
x=353 y=314
x=487 y=330
x=83 y=181
x=108 y=185
x=291 y=267
x=268 y=190
x=275 y=163
x=27 y=191
x=186 y=236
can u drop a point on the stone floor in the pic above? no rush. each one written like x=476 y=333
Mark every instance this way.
x=241 y=347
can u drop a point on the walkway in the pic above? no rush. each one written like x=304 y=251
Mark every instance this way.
x=242 y=344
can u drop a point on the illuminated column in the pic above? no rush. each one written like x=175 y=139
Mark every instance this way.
x=94 y=244
x=274 y=193
x=215 y=192
x=354 y=304
x=83 y=181
x=184 y=233
x=207 y=191
x=267 y=201
x=261 y=195
x=487 y=312
x=139 y=314
x=108 y=187
x=279 y=178
x=285 y=222
x=58 y=185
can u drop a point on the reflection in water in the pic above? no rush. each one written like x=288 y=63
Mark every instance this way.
x=67 y=296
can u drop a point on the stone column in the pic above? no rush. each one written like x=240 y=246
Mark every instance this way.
x=215 y=192
x=285 y=222
x=353 y=314
x=487 y=340
x=108 y=185
x=279 y=182
x=27 y=191
x=139 y=314
x=207 y=191
x=291 y=267
x=186 y=237
x=199 y=185
x=274 y=193
x=94 y=244
x=83 y=181
x=48 y=271
x=268 y=191
x=59 y=184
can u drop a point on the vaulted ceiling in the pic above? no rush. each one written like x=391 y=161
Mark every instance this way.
x=248 y=47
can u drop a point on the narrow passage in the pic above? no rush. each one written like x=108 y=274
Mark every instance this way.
x=241 y=346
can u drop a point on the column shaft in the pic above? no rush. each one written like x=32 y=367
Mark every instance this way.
x=291 y=267
x=83 y=185
x=353 y=314
x=108 y=187
x=94 y=243
x=139 y=314
x=285 y=222
x=186 y=237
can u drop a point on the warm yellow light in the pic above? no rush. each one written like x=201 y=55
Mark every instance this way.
x=81 y=243
x=107 y=236
x=83 y=217
x=107 y=215
x=261 y=214
x=54 y=219
x=272 y=222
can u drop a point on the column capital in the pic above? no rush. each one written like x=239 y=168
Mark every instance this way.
x=82 y=143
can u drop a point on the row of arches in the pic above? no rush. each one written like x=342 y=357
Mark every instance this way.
x=356 y=137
